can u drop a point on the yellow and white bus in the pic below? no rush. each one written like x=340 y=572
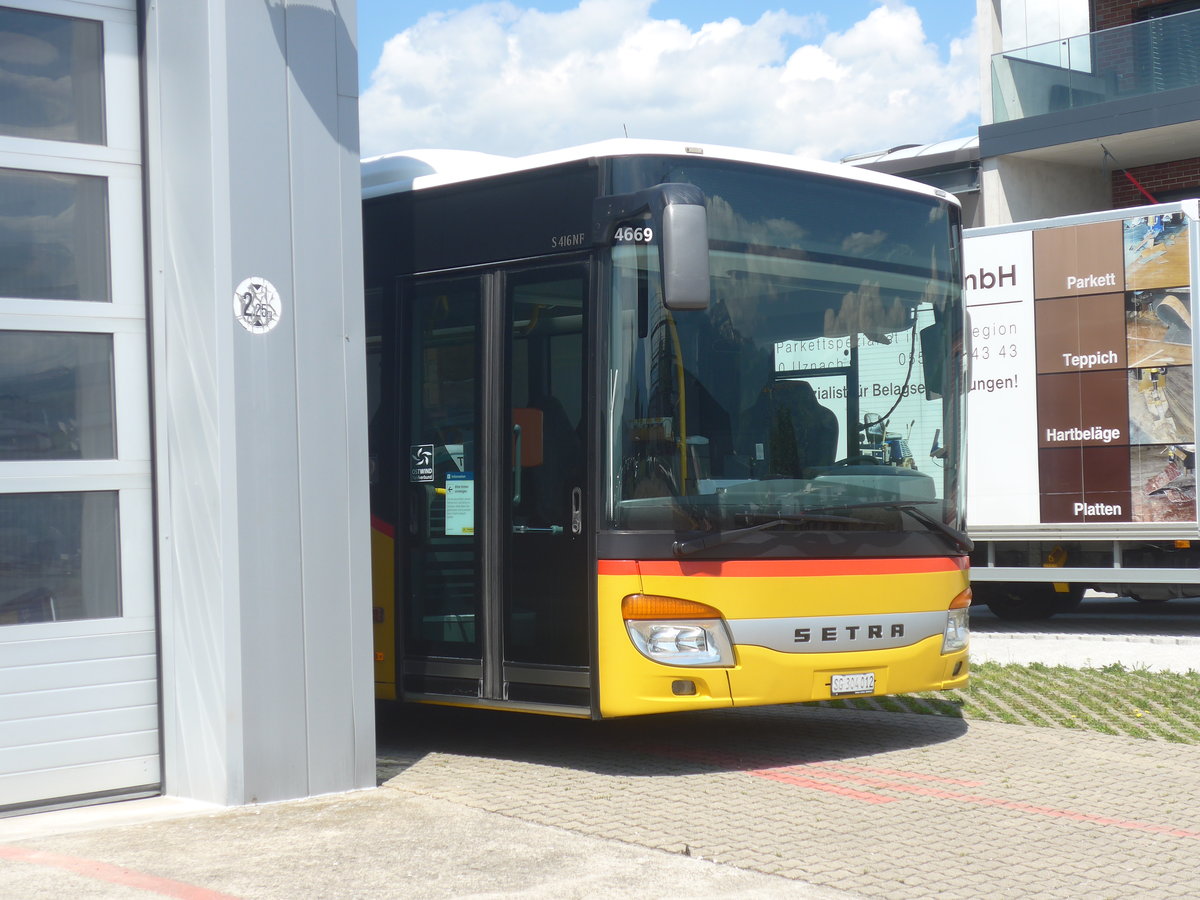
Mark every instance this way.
x=662 y=427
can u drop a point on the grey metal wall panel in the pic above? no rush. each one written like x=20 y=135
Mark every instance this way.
x=265 y=369
x=78 y=648
x=65 y=701
x=361 y=676
x=194 y=429
x=59 y=672
x=332 y=425
x=80 y=716
x=122 y=744
x=110 y=776
x=281 y=656
x=42 y=731
x=327 y=415
x=346 y=40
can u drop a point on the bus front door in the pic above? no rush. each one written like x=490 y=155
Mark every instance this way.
x=492 y=550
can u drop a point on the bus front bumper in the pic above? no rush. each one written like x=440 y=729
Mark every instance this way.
x=762 y=676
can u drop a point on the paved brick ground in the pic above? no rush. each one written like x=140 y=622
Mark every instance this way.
x=790 y=802
x=875 y=804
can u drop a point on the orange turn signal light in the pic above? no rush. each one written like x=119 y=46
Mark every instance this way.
x=962 y=601
x=652 y=606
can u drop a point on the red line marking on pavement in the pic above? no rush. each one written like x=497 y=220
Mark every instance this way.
x=759 y=762
x=798 y=781
x=1052 y=812
x=894 y=773
x=823 y=776
x=90 y=868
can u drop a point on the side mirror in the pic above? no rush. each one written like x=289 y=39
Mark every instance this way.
x=933 y=351
x=679 y=221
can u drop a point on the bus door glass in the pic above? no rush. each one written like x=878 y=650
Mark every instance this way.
x=545 y=599
x=440 y=580
x=493 y=553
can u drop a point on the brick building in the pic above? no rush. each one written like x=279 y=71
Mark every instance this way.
x=1079 y=121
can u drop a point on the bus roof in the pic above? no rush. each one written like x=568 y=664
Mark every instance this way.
x=411 y=170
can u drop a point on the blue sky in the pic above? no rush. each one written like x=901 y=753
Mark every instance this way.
x=821 y=78
x=379 y=20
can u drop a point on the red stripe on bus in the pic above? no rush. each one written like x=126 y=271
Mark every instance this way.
x=385 y=528
x=617 y=567
x=780 y=568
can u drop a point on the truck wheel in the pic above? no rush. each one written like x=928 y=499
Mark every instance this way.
x=1027 y=602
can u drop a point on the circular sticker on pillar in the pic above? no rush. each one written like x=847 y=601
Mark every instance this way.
x=257 y=305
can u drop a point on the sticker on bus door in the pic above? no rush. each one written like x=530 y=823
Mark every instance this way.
x=420 y=463
x=460 y=503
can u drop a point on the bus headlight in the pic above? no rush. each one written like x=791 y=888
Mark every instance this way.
x=682 y=643
x=958 y=628
x=677 y=632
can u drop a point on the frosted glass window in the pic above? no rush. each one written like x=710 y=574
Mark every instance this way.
x=51 y=77
x=58 y=557
x=56 y=396
x=1029 y=22
x=53 y=236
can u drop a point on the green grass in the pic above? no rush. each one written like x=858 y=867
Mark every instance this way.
x=1162 y=706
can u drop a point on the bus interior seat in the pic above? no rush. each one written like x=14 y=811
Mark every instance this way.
x=795 y=430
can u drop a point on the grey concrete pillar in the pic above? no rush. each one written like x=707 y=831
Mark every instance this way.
x=252 y=172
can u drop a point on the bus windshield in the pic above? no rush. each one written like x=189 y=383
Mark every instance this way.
x=821 y=388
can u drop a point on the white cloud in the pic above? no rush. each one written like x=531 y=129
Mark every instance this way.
x=503 y=79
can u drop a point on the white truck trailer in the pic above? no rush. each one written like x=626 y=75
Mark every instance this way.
x=1081 y=434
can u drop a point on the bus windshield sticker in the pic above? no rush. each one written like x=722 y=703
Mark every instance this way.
x=460 y=503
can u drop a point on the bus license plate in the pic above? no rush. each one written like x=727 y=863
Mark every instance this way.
x=857 y=683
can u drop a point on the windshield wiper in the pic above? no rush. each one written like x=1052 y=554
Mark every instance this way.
x=716 y=538
x=958 y=539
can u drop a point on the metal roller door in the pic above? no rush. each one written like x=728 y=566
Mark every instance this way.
x=79 y=701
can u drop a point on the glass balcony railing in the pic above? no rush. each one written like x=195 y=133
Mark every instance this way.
x=1131 y=61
